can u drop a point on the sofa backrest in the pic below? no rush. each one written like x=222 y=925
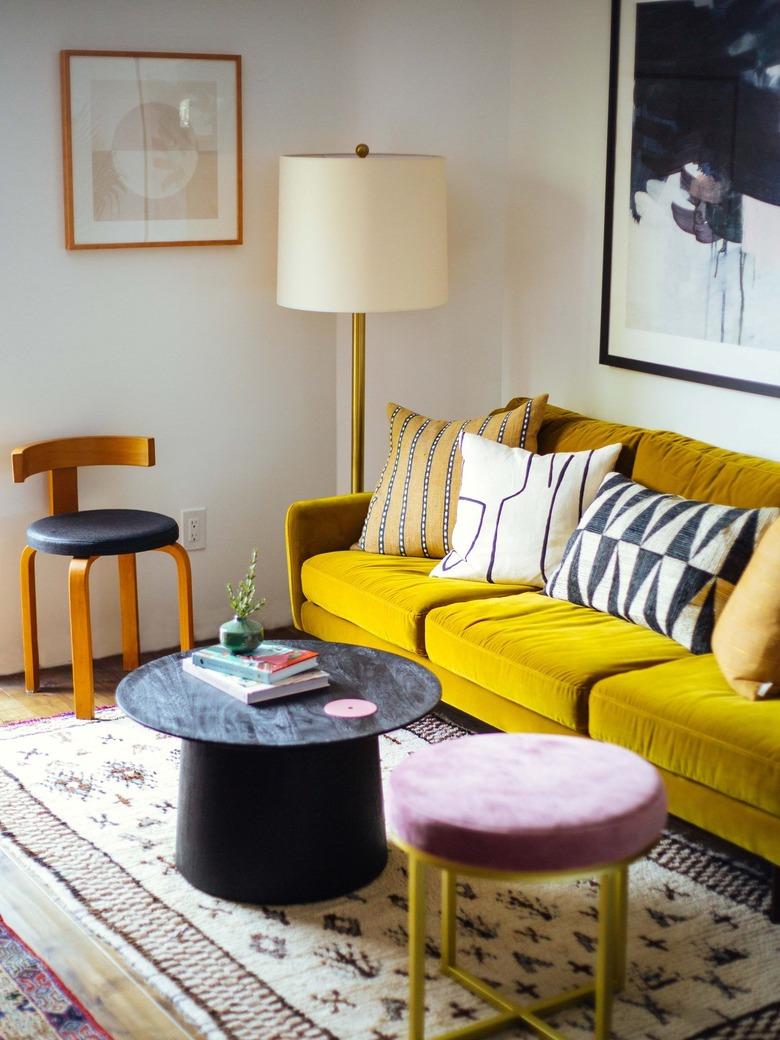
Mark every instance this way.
x=563 y=430
x=672 y=463
x=668 y=462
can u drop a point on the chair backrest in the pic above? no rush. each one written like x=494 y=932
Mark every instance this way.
x=61 y=459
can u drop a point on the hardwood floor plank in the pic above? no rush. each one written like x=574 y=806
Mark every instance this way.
x=119 y=1001
x=56 y=684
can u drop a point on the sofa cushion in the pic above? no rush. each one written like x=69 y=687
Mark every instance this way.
x=746 y=640
x=517 y=511
x=676 y=464
x=659 y=560
x=684 y=717
x=539 y=652
x=389 y=596
x=412 y=511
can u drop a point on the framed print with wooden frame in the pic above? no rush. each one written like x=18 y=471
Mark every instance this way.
x=691 y=283
x=151 y=149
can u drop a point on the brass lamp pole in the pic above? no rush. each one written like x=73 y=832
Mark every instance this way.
x=358 y=384
x=358 y=400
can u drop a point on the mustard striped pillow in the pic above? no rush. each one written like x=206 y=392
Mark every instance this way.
x=412 y=511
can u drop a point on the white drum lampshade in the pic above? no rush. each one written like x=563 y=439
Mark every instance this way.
x=362 y=234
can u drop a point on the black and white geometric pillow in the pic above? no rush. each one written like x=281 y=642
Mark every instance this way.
x=664 y=562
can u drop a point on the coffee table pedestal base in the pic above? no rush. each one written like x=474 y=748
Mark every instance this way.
x=280 y=824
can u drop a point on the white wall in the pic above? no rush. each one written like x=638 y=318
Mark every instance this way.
x=433 y=77
x=557 y=147
x=250 y=403
x=186 y=344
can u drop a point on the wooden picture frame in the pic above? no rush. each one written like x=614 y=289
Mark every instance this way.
x=691 y=266
x=151 y=144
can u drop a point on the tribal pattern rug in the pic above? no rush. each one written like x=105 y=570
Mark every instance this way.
x=89 y=808
x=34 y=1004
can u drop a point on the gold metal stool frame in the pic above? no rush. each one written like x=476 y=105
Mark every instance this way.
x=611 y=954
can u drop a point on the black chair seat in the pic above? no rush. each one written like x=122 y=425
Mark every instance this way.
x=102 y=532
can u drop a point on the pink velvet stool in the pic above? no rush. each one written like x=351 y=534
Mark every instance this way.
x=527 y=807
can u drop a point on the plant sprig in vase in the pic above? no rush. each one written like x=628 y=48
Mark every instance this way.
x=243 y=634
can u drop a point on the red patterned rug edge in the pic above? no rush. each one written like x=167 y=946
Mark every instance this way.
x=102 y=1034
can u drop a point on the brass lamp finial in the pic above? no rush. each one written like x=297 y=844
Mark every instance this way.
x=361 y=151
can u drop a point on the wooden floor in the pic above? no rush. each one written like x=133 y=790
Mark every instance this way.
x=56 y=689
x=56 y=693
x=117 y=999
x=109 y=989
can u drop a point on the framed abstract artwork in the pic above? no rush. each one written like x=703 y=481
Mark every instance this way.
x=151 y=149
x=691 y=284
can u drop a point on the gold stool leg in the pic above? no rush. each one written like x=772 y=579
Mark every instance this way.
x=605 y=960
x=184 y=572
x=416 y=948
x=448 y=919
x=81 y=637
x=29 y=619
x=621 y=926
x=128 y=606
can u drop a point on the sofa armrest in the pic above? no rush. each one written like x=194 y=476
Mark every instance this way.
x=320 y=525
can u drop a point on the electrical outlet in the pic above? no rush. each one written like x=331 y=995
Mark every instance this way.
x=193 y=529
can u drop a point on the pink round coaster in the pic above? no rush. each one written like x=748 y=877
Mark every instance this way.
x=350 y=708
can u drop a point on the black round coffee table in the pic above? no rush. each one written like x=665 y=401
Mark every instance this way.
x=281 y=802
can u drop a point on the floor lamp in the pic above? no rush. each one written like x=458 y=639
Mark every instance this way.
x=361 y=233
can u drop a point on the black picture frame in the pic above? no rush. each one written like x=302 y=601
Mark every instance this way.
x=608 y=356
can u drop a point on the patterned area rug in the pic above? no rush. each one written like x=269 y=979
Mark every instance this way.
x=34 y=1004
x=89 y=807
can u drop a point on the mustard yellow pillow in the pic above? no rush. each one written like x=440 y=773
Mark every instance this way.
x=412 y=511
x=746 y=640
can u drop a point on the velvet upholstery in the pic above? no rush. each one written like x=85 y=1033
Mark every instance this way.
x=526 y=802
x=540 y=652
x=746 y=640
x=685 y=717
x=387 y=595
x=678 y=465
x=737 y=821
x=467 y=696
x=563 y=430
x=320 y=525
x=511 y=696
x=102 y=532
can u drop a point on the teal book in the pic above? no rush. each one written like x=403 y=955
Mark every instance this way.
x=270 y=663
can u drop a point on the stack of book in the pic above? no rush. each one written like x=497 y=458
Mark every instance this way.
x=274 y=670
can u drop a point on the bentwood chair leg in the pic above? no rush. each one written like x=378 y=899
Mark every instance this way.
x=621 y=913
x=605 y=958
x=448 y=919
x=186 y=624
x=29 y=619
x=128 y=607
x=81 y=637
x=416 y=948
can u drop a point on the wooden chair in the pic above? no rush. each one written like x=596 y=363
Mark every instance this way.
x=86 y=535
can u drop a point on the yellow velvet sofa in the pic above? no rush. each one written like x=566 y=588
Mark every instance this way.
x=523 y=662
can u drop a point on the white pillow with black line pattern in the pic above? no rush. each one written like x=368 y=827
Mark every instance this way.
x=517 y=510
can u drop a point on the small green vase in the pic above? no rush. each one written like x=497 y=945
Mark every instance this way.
x=241 y=635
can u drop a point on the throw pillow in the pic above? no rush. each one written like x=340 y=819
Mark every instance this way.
x=412 y=511
x=746 y=640
x=659 y=560
x=517 y=510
